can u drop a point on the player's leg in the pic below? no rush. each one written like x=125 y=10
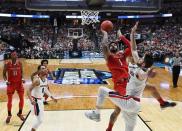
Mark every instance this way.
x=158 y=97
x=113 y=118
x=38 y=110
x=115 y=114
x=20 y=91
x=124 y=102
x=177 y=75
x=130 y=120
x=95 y=114
x=174 y=75
x=10 y=92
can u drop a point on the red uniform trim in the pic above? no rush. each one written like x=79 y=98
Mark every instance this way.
x=124 y=97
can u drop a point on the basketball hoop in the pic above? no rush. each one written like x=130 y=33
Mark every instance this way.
x=89 y=17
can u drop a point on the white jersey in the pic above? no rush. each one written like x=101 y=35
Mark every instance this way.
x=135 y=86
x=38 y=91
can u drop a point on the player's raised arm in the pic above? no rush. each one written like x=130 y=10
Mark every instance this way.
x=105 y=48
x=121 y=37
x=133 y=44
x=119 y=34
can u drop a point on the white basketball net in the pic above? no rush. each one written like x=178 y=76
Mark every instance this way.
x=89 y=17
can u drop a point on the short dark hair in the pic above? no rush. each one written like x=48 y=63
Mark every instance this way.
x=39 y=67
x=44 y=61
x=148 y=60
x=113 y=42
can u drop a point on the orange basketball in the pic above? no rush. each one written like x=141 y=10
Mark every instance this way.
x=107 y=25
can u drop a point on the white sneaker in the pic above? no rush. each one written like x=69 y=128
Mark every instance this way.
x=92 y=115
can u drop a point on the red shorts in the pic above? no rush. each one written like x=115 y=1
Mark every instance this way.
x=12 y=87
x=120 y=87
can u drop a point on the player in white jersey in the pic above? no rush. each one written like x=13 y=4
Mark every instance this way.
x=130 y=104
x=149 y=87
x=35 y=94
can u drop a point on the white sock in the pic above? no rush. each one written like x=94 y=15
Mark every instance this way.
x=97 y=111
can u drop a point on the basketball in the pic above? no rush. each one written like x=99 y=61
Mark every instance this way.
x=107 y=25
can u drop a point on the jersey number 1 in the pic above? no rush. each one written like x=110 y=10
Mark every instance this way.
x=120 y=62
x=42 y=90
x=15 y=73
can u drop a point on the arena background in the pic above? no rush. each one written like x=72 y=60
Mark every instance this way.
x=39 y=31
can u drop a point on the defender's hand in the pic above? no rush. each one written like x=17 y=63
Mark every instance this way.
x=133 y=30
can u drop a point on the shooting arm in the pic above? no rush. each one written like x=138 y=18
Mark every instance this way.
x=106 y=50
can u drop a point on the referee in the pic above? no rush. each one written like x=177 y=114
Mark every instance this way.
x=176 y=68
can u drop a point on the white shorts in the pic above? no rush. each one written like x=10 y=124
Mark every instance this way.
x=126 y=103
x=38 y=109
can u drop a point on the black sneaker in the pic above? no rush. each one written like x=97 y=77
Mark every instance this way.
x=8 y=119
x=175 y=86
x=21 y=117
x=46 y=103
x=168 y=104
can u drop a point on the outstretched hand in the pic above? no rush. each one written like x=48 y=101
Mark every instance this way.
x=135 y=27
x=119 y=34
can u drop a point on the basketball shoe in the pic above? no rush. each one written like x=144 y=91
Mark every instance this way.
x=168 y=104
x=92 y=115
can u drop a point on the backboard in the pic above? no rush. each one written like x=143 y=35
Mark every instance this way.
x=109 y=6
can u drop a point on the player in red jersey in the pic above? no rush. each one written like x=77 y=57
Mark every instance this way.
x=116 y=62
x=14 y=80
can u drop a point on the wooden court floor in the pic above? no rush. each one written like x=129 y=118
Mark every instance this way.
x=167 y=120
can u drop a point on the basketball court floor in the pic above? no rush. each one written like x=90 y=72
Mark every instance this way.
x=76 y=98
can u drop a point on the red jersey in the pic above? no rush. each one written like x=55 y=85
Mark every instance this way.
x=118 y=66
x=14 y=71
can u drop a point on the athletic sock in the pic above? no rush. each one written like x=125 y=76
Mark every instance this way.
x=161 y=101
x=9 y=113
x=110 y=127
x=20 y=111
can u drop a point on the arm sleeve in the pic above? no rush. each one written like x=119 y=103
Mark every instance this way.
x=127 y=51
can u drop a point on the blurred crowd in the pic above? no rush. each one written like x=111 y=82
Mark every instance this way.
x=46 y=41
x=42 y=39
